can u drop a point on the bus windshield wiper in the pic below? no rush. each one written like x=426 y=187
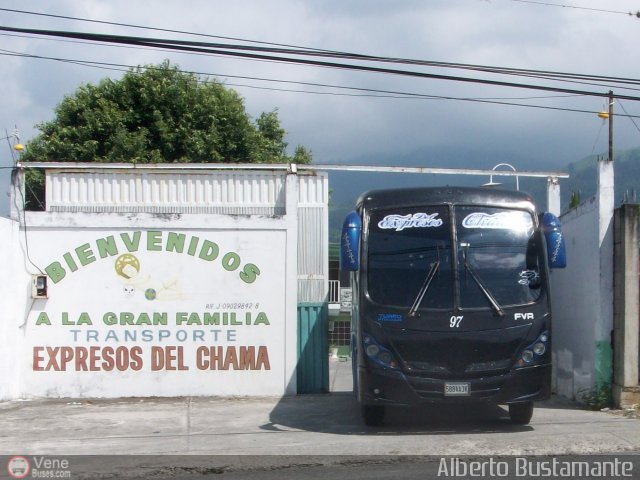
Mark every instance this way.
x=423 y=289
x=485 y=291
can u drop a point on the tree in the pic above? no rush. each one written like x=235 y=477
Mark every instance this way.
x=157 y=114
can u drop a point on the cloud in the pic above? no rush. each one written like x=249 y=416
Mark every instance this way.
x=343 y=128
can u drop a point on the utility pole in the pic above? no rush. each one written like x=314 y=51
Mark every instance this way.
x=611 y=125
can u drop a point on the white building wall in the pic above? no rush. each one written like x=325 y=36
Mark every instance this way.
x=576 y=302
x=15 y=290
x=583 y=295
x=130 y=290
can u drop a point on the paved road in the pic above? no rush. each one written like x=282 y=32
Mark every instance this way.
x=301 y=426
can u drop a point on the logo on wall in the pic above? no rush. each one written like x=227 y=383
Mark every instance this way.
x=154 y=287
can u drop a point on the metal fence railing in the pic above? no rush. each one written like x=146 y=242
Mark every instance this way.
x=334 y=291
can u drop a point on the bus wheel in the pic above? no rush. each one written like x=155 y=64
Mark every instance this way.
x=521 y=413
x=373 y=415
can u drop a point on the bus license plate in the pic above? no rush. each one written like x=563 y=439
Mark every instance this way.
x=460 y=389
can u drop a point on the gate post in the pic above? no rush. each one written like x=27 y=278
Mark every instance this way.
x=626 y=390
x=291 y=297
x=553 y=196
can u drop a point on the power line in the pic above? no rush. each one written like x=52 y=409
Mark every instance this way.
x=629 y=116
x=104 y=66
x=601 y=10
x=182 y=46
x=568 y=77
x=316 y=51
x=319 y=52
x=587 y=79
x=126 y=67
x=73 y=42
x=369 y=92
x=158 y=29
x=565 y=77
x=377 y=93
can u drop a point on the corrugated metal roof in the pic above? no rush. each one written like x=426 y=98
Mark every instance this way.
x=260 y=192
x=172 y=192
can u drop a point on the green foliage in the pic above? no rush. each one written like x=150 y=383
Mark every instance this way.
x=597 y=398
x=34 y=194
x=273 y=147
x=302 y=155
x=158 y=114
x=575 y=200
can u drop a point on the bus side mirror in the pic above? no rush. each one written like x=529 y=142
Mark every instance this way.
x=556 y=251
x=350 y=242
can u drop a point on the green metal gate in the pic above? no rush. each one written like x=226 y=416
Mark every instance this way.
x=313 y=353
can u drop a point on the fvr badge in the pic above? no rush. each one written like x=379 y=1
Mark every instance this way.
x=523 y=316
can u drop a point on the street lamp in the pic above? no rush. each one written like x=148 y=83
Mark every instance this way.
x=17 y=146
x=495 y=184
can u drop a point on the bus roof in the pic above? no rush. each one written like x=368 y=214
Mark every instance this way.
x=407 y=197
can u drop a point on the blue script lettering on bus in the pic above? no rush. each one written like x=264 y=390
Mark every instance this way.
x=389 y=317
x=416 y=220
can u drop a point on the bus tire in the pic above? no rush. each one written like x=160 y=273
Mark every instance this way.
x=520 y=413
x=373 y=415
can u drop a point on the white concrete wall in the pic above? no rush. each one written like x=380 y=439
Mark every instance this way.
x=15 y=293
x=583 y=295
x=626 y=388
x=576 y=302
x=180 y=289
x=137 y=301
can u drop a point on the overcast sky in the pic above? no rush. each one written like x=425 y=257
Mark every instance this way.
x=505 y=33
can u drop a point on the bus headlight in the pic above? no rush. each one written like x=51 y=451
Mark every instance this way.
x=372 y=350
x=527 y=356
x=533 y=353
x=385 y=357
x=539 y=348
x=378 y=353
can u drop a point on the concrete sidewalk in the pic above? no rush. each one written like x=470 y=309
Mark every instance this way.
x=340 y=377
x=326 y=424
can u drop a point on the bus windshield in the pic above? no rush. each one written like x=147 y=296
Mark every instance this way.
x=405 y=245
x=410 y=259
x=496 y=245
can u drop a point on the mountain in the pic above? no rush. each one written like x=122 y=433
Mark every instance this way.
x=583 y=180
x=347 y=186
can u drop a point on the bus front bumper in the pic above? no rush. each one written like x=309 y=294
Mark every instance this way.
x=393 y=387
